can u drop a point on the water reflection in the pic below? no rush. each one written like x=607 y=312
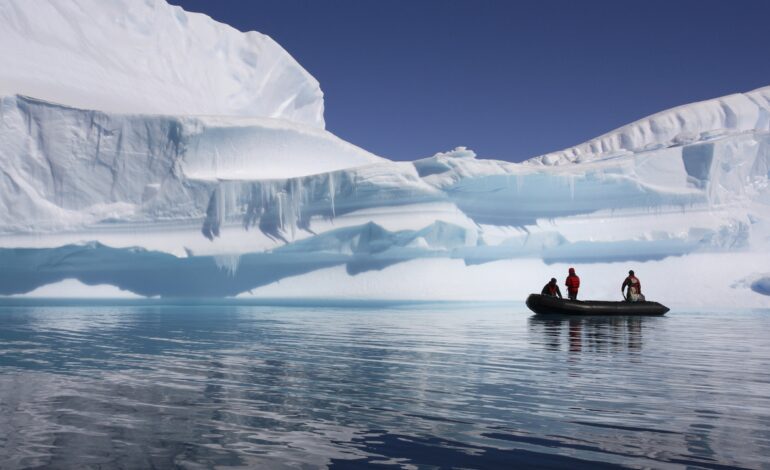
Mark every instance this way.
x=590 y=333
x=219 y=386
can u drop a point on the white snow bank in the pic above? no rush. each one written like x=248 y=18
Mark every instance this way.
x=131 y=56
x=264 y=149
x=74 y=289
x=703 y=280
x=687 y=124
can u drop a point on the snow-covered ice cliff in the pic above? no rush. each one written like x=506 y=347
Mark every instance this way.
x=160 y=198
x=146 y=56
x=688 y=124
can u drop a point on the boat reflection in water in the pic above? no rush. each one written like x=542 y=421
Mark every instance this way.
x=590 y=333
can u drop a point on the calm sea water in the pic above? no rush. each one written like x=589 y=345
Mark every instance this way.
x=200 y=386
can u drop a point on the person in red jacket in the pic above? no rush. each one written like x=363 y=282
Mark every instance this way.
x=573 y=284
x=634 y=293
x=551 y=289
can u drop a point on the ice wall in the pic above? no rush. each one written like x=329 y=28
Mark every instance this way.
x=149 y=204
x=190 y=206
x=65 y=168
x=149 y=57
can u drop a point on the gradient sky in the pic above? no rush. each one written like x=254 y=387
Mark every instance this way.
x=511 y=80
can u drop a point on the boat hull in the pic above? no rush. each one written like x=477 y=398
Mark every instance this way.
x=545 y=305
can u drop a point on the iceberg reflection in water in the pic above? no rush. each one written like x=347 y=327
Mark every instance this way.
x=160 y=385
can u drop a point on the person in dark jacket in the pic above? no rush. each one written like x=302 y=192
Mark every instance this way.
x=552 y=289
x=634 y=293
x=573 y=284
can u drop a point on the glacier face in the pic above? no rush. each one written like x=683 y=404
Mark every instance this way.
x=262 y=202
x=64 y=168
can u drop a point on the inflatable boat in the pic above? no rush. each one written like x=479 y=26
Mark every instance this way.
x=543 y=304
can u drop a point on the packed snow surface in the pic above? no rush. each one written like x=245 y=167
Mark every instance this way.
x=702 y=121
x=149 y=57
x=242 y=193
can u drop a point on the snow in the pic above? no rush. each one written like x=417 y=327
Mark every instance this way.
x=683 y=125
x=236 y=194
x=149 y=57
x=73 y=289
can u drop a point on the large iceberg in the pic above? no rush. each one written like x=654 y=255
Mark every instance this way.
x=244 y=194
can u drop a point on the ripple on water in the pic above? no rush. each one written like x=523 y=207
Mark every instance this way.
x=467 y=386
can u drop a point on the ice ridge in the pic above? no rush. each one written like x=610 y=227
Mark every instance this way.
x=149 y=57
x=687 y=124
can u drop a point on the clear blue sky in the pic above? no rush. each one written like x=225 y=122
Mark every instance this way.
x=511 y=80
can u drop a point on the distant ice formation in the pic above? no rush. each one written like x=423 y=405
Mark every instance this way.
x=242 y=193
x=683 y=125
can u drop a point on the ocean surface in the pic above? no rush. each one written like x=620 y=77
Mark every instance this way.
x=165 y=385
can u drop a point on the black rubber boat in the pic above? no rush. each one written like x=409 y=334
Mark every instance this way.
x=543 y=304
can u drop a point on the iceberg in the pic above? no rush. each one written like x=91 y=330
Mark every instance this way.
x=244 y=194
x=149 y=57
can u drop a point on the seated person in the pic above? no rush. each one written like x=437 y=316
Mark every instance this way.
x=551 y=289
x=634 y=293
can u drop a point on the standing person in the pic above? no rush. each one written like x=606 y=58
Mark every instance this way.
x=573 y=284
x=634 y=293
x=552 y=289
